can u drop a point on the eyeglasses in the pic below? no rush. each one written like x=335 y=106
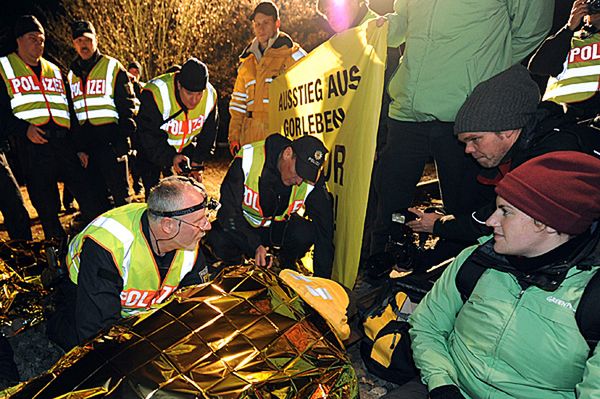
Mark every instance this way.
x=209 y=203
x=201 y=227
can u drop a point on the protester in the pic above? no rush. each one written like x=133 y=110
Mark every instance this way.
x=133 y=257
x=103 y=99
x=266 y=186
x=517 y=336
x=34 y=108
x=569 y=58
x=502 y=126
x=270 y=53
x=180 y=107
x=451 y=46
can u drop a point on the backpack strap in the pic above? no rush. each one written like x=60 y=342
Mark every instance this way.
x=587 y=315
x=467 y=277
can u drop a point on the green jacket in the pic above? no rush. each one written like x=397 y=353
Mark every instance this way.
x=505 y=342
x=452 y=45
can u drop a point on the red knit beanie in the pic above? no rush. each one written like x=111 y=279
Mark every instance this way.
x=560 y=189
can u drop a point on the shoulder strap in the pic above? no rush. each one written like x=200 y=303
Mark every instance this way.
x=587 y=315
x=467 y=277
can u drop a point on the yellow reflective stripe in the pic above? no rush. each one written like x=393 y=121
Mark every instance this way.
x=122 y=234
x=178 y=141
x=96 y=114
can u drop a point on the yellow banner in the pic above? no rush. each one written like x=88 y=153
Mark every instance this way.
x=335 y=94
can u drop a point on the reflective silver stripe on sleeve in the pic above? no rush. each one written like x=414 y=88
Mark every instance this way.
x=298 y=54
x=122 y=234
x=243 y=111
x=164 y=95
x=250 y=83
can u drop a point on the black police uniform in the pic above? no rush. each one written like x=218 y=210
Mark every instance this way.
x=105 y=143
x=48 y=163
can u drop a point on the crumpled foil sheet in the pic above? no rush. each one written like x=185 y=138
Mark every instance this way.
x=22 y=294
x=244 y=335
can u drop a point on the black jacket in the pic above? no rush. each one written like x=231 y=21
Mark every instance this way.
x=274 y=198
x=550 y=131
x=89 y=136
x=153 y=141
x=549 y=60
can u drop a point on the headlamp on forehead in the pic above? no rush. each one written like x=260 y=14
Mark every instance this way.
x=209 y=203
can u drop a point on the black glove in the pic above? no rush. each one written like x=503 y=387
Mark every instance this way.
x=446 y=392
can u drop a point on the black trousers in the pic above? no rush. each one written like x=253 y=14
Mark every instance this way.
x=290 y=240
x=16 y=218
x=108 y=173
x=408 y=147
x=46 y=165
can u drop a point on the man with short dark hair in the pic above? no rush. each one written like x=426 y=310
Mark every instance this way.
x=516 y=334
x=34 y=105
x=266 y=186
x=133 y=257
x=270 y=54
x=177 y=121
x=103 y=100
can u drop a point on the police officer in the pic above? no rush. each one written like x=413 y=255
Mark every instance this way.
x=177 y=120
x=34 y=105
x=267 y=184
x=133 y=257
x=103 y=99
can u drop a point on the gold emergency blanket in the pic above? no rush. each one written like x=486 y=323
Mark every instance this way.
x=245 y=335
x=22 y=295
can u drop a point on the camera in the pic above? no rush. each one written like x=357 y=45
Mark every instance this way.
x=186 y=168
x=400 y=250
x=593 y=6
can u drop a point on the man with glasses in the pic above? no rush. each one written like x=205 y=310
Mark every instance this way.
x=267 y=184
x=133 y=257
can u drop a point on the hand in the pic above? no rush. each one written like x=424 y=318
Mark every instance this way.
x=424 y=222
x=177 y=159
x=36 y=135
x=234 y=147
x=84 y=159
x=196 y=174
x=578 y=11
x=260 y=256
x=380 y=21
